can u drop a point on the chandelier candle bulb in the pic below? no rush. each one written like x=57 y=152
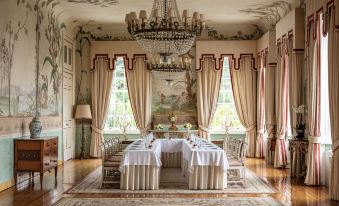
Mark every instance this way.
x=185 y=14
x=170 y=13
x=202 y=17
x=134 y=16
x=143 y=15
x=127 y=19
x=196 y=15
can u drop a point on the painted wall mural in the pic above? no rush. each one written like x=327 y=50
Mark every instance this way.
x=102 y=3
x=30 y=66
x=174 y=92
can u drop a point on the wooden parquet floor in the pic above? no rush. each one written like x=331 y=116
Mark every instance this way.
x=291 y=192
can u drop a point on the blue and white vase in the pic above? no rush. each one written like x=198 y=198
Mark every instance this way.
x=35 y=127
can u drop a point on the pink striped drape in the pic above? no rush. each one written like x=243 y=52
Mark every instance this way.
x=270 y=117
x=244 y=86
x=259 y=152
x=313 y=104
x=333 y=65
x=282 y=101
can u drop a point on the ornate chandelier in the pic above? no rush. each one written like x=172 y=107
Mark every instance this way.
x=170 y=64
x=165 y=32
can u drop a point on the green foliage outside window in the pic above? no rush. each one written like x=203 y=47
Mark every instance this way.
x=120 y=107
x=225 y=107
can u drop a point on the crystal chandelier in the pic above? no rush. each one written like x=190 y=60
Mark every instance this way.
x=165 y=32
x=170 y=64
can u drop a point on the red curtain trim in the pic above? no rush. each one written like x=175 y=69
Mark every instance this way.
x=327 y=12
x=232 y=61
x=95 y=59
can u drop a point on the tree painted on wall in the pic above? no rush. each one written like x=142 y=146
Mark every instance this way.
x=7 y=48
x=53 y=36
x=83 y=38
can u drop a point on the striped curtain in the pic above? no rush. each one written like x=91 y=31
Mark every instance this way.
x=333 y=65
x=282 y=101
x=259 y=152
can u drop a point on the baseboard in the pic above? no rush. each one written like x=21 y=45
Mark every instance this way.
x=7 y=184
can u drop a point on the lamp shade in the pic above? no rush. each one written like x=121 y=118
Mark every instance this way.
x=83 y=112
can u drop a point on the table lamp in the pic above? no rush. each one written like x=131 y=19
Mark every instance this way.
x=82 y=113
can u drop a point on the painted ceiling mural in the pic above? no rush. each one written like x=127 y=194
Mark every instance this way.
x=246 y=19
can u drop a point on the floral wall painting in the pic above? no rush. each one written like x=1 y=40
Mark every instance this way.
x=30 y=82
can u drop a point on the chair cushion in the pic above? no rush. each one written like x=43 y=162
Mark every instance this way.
x=114 y=159
x=111 y=164
x=233 y=162
x=118 y=154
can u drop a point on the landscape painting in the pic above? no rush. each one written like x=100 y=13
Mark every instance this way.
x=174 y=92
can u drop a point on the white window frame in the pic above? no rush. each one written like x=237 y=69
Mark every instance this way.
x=117 y=130
x=219 y=130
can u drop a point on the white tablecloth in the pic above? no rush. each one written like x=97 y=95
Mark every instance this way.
x=208 y=155
x=205 y=167
x=137 y=154
x=171 y=145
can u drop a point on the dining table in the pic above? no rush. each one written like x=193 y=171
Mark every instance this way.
x=203 y=164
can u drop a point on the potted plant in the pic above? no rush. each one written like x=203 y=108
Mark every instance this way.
x=300 y=126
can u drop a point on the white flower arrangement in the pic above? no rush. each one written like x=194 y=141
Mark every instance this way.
x=188 y=125
x=159 y=126
x=300 y=109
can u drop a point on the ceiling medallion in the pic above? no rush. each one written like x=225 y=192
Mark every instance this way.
x=165 y=32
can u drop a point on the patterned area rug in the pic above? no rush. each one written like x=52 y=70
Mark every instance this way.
x=172 y=182
x=230 y=201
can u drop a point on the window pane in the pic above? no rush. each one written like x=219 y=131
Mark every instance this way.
x=119 y=84
x=225 y=108
x=120 y=107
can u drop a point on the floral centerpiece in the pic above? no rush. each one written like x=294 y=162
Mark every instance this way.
x=300 y=126
x=159 y=127
x=124 y=124
x=172 y=118
x=188 y=126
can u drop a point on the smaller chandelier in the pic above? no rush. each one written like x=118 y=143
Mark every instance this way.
x=165 y=32
x=170 y=64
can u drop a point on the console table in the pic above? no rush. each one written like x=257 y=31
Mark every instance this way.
x=180 y=133
x=298 y=153
x=35 y=155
